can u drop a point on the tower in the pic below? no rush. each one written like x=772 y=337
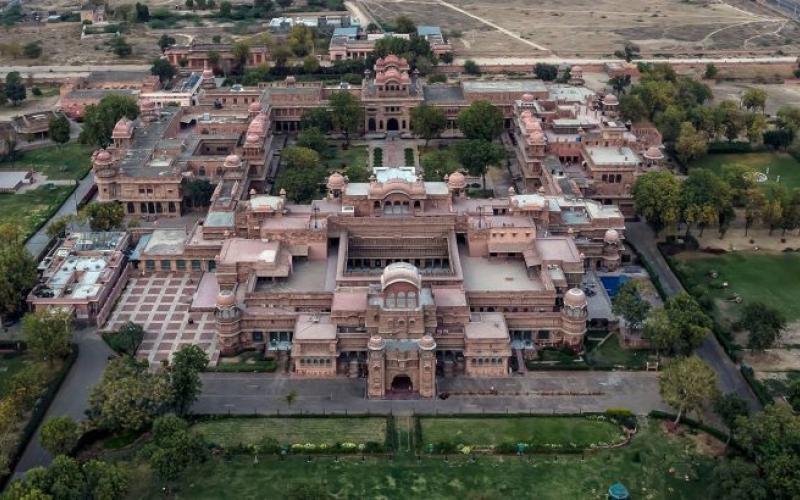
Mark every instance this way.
x=611 y=250
x=105 y=175
x=427 y=367
x=228 y=318
x=573 y=318
x=376 y=362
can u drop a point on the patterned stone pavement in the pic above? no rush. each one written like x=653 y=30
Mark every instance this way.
x=160 y=304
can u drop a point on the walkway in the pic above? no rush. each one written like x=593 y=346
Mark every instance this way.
x=641 y=236
x=73 y=397
x=538 y=392
x=37 y=243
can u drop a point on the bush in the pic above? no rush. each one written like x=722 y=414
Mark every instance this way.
x=126 y=340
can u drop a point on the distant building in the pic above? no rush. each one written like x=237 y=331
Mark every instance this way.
x=92 y=13
x=353 y=43
x=196 y=56
x=80 y=92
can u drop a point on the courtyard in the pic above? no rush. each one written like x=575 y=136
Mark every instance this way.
x=160 y=304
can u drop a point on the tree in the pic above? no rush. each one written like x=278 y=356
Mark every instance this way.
x=184 y=371
x=104 y=216
x=756 y=124
x=14 y=89
x=347 y=115
x=319 y=118
x=471 y=67
x=737 y=479
x=772 y=214
x=687 y=383
x=629 y=52
x=313 y=138
x=175 y=447
x=404 y=24
x=62 y=479
x=310 y=64
x=481 y=120
x=789 y=118
x=301 y=184
x=658 y=329
x=711 y=71
x=197 y=192
x=166 y=40
x=476 y=155
x=57 y=228
x=300 y=158
x=162 y=69
x=546 y=72
x=17 y=270
x=59 y=435
x=129 y=396
x=48 y=333
x=754 y=99
x=691 y=323
x=729 y=407
x=620 y=83
x=58 y=129
x=705 y=198
x=771 y=438
x=281 y=56
x=301 y=40
x=121 y=47
x=105 y=481
x=290 y=397
x=765 y=323
x=126 y=339
x=32 y=50
x=99 y=119
x=629 y=304
x=446 y=58
x=284 y=3
x=656 y=197
x=189 y=5
x=793 y=394
x=225 y=9
x=690 y=144
x=142 y=13
x=427 y=122
x=241 y=51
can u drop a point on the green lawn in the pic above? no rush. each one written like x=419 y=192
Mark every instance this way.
x=70 y=161
x=338 y=158
x=9 y=366
x=653 y=466
x=436 y=162
x=612 y=354
x=779 y=164
x=32 y=208
x=233 y=431
x=536 y=431
x=766 y=277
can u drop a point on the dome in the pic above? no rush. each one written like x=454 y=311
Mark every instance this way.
x=102 y=156
x=537 y=137
x=426 y=343
x=336 y=181
x=232 y=161
x=576 y=69
x=610 y=100
x=456 y=180
x=526 y=114
x=208 y=74
x=147 y=105
x=575 y=298
x=256 y=127
x=251 y=138
x=611 y=236
x=391 y=58
x=401 y=272
x=527 y=97
x=376 y=343
x=226 y=298
x=255 y=107
x=124 y=127
x=653 y=153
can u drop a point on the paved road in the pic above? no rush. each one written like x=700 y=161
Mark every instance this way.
x=538 y=392
x=72 y=399
x=641 y=236
x=38 y=241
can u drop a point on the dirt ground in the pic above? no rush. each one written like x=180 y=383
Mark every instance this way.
x=599 y=27
x=777 y=95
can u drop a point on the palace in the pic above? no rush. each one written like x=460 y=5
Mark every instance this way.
x=397 y=279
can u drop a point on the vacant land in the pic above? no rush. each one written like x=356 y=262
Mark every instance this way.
x=32 y=208
x=576 y=432
x=782 y=167
x=597 y=27
x=233 y=431
x=654 y=466
x=70 y=161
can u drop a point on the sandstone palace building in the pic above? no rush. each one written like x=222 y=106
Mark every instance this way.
x=397 y=279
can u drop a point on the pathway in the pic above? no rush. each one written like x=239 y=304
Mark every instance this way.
x=641 y=236
x=73 y=396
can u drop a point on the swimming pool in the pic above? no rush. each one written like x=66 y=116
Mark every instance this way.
x=612 y=283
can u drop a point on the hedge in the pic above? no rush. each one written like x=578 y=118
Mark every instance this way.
x=689 y=422
x=758 y=388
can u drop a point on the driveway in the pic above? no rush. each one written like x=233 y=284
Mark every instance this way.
x=536 y=392
x=641 y=236
x=73 y=396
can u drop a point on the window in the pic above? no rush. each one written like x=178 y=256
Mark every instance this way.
x=258 y=337
x=543 y=335
x=166 y=265
x=180 y=264
x=196 y=266
x=150 y=265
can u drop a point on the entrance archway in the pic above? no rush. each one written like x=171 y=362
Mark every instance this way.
x=391 y=124
x=402 y=383
x=371 y=125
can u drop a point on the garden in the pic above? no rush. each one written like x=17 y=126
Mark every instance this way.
x=31 y=209
x=779 y=164
x=340 y=159
x=248 y=361
x=70 y=161
x=654 y=465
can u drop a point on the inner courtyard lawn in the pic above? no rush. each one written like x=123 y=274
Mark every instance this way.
x=611 y=354
x=32 y=208
x=653 y=466
x=338 y=158
x=779 y=164
x=70 y=161
x=771 y=278
x=581 y=432
x=317 y=430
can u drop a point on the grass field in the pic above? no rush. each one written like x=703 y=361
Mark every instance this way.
x=612 y=354
x=536 y=431
x=70 y=161
x=338 y=158
x=779 y=164
x=764 y=277
x=654 y=466
x=233 y=431
x=30 y=209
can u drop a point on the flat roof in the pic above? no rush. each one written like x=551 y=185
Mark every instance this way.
x=613 y=156
x=483 y=274
x=441 y=92
x=306 y=276
x=11 y=180
x=219 y=219
x=428 y=30
x=504 y=86
x=486 y=326
x=386 y=174
x=314 y=327
x=236 y=250
x=166 y=242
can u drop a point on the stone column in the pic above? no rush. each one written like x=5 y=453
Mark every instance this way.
x=376 y=383
x=427 y=367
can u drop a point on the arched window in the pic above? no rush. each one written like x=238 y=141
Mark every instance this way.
x=401 y=300
x=201 y=171
x=412 y=300
x=390 y=302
